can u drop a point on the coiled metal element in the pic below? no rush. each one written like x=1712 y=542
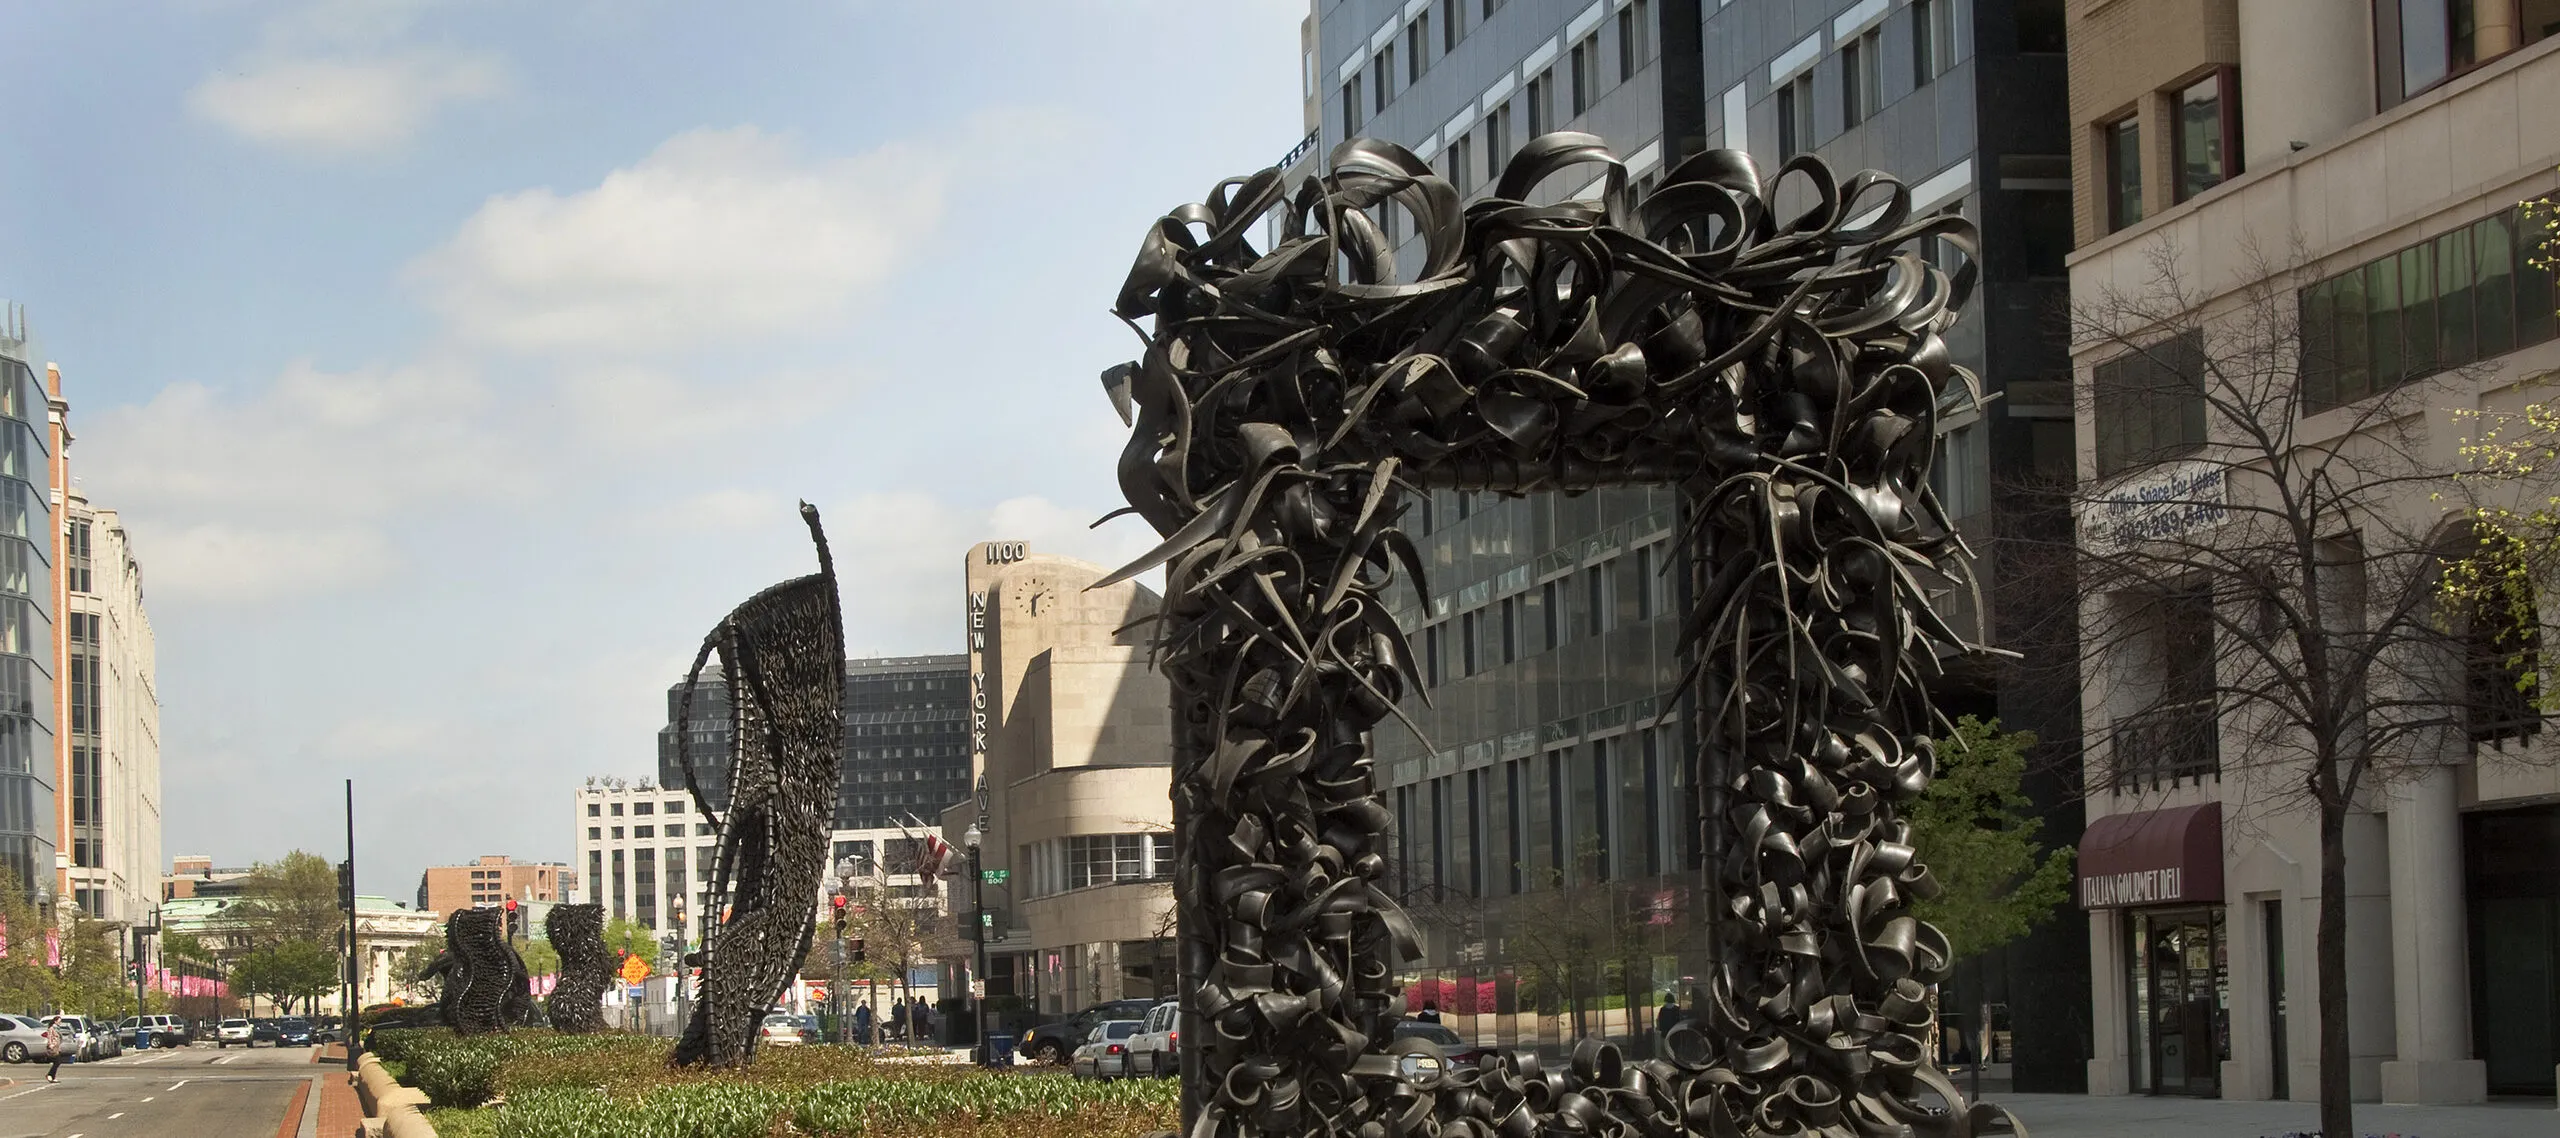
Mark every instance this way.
x=1786 y=374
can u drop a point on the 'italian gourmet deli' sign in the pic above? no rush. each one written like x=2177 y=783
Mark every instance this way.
x=2154 y=857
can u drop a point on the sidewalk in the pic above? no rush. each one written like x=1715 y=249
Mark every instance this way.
x=341 y=1112
x=2142 y=1116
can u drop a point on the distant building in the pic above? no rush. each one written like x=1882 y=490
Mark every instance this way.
x=1076 y=748
x=492 y=879
x=384 y=930
x=113 y=737
x=644 y=846
x=195 y=875
x=906 y=740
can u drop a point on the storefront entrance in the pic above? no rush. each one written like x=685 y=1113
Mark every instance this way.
x=2181 y=986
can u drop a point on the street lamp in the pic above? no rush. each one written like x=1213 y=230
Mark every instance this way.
x=675 y=910
x=978 y=973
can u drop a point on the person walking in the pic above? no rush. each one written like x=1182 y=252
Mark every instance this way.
x=57 y=1045
x=1430 y=1012
x=862 y=1023
x=1669 y=1017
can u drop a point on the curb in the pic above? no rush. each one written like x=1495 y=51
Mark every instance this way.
x=389 y=1108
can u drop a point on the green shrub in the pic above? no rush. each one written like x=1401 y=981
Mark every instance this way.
x=456 y=1076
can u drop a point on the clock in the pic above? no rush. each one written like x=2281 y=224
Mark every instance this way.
x=1034 y=595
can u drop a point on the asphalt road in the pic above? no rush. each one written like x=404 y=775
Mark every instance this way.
x=195 y=1092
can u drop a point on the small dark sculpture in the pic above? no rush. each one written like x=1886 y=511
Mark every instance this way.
x=576 y=1003
x=486 y=987
x=783 y=654
x=1786 y=374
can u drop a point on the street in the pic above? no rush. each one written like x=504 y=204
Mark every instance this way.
x=200 y=1092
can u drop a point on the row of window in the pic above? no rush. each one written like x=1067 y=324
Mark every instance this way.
x=1484 y=148
x=2459 y=298
x=674 y=806
x=1087 y=860
x=1861 y=76
x=2205 y=152
x=673 y=830
x=2440 y=39
x=1608 y=810
x=1538 y=620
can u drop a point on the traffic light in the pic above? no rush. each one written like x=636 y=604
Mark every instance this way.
x=347 y=886
x=133 y=972
x=857 y=950
x=841 y=901
x=515 y=920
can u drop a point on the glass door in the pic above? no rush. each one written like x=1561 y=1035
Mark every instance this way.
x=2187 y=1017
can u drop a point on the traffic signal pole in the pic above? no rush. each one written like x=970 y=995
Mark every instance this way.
x=347 y=893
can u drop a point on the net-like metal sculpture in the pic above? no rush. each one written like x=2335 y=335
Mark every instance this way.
x=1786 y=374
x=576 y=1002
x=783 y=653
x=486 y=987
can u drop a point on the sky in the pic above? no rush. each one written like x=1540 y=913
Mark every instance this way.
x=456 y=364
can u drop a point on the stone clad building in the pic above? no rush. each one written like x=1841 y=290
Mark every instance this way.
x=2373 y=156
x=1069 y=734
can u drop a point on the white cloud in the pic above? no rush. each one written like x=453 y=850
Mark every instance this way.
x=716 y=235
x=345 y=105
x=225 y=563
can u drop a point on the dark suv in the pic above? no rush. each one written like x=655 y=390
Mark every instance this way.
x=1053 y=1042
x=293 y=1032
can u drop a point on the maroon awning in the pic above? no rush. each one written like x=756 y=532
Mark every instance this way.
x=2156 y=857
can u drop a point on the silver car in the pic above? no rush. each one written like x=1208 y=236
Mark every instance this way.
x=82 y=1039
x=22 y=1038
x=1105 y=1054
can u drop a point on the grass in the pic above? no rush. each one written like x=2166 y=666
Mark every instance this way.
x=539 y=1085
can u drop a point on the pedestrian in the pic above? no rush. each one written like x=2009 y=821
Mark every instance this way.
x=1430 y=1012
x=923 y=1020
x=1667 y=1018
x=55 y=1042
x=862 y=1023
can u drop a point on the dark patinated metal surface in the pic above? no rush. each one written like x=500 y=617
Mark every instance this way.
x=576 y=1003
x=783 y=655
x=1787 y=374
x=486 y=987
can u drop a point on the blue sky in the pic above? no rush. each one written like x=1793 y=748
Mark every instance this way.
x=456 y=364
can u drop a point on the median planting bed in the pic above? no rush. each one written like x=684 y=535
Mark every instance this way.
x=533 y=1084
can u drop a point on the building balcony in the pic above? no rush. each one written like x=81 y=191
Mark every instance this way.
x=2164 y=745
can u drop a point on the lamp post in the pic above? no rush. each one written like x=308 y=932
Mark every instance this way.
x=675 y=909
x=978 y=971
x=836 y=996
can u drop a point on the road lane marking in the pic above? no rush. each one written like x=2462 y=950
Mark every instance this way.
x=26 y=1092
x=148 y=1098
x=115 y=1116
x=181 y=1083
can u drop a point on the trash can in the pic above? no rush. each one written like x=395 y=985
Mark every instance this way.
x=999 y=1050
x=142 y=1038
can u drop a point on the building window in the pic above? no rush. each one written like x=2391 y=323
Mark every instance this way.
x=2150 y=404
x=644 y=831
x=1510 y=629
x=1795 y=117
x=617 y=810
x=2501 y=667
x=1645 y=576
x=1541 y=99
x=2175 y=736
x=1490 y=6
x=1351 y=106
x=1861 y=79
x=1453 y=22
x=644 y=808
x=2208 y=132
x=1106 y=859
x=1551 y=610
x=1467 y=659
x=593 y=810
x=595 y=833
x=1634 y=30
x=1462 y=170
x=1497 y=143
x=1933 y=39
x=1596 y=590
x=2469 y=295
x=1584 y=64
x=1432 y=675
x=2443 y=38
x=1383 y=74
x=2123 y=140
x=1417 y=45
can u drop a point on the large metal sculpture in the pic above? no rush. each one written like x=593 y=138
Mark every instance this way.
x=1786 y=374
x=486 y=987
x=576 y=1003
x=783 y=655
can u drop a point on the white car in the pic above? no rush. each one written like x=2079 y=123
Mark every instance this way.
x=1156 y=1051
x=238 y=1031
x=786 y=1028
x=1105 y=1054
x=85 y=1039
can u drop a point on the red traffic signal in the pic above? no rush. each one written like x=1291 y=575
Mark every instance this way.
x=840 y=903
x=511 y=904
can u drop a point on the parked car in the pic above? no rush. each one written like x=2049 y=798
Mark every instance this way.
x=166 y=1031
x=1459 y=1052
x=1156 y=1051
x=293 y=1032
x=1050 y=1042
x=21 y=1038
x=1105 y=1054
x=238 y=1031
x=786 y=1028
x=86 y=1038
x=264 y=1031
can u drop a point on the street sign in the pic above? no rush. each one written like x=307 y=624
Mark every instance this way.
x=634 y=970
x=977 y=989
x=817 y=992
x=994 y=876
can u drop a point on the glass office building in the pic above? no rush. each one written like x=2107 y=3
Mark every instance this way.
x=27 y=752
x=906 y=745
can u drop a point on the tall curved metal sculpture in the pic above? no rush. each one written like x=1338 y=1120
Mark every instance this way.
x=783 y=654
x=486 y=987
x=1786 y=374
x=576 y=1002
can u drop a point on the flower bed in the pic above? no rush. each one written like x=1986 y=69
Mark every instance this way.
x=539 y=1085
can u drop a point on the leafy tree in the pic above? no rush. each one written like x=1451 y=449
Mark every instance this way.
x=26 y=978
x=630 y=938
x=294 y=898
x=1973 y=829
x=288 y=972
x=540 y=959
x=409 y=971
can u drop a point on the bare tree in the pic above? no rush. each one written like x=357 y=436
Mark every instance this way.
x=2257 y=569
x=902 y=927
